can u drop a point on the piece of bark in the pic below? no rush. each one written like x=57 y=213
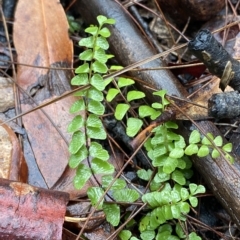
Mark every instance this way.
x=128 y=46
x=29 y=212
x=224 y=105
x=13 y=165
x=219 y=62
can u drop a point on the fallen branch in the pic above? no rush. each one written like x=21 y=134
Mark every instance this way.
x=29 y=212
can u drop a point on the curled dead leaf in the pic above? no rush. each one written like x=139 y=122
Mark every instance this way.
x=13 y=165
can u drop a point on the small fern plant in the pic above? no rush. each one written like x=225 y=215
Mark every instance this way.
x=90 y=104
x=87 y=128
x=169 y=153
x=171 y=194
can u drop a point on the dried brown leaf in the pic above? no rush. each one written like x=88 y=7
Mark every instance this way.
x=41 y=39
x=13 y=166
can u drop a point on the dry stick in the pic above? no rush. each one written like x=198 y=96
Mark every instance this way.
x=187 y=101
x=35 y=66
x=230 y=129
x=236 y=6
x=70 y=5
x=201 y=224
x=66 y=94
x=168 y=67
x=129 y=3
x=78 y=219
x=182 y=99
x=227 y=26
x=146 y=60
x=201 y=80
